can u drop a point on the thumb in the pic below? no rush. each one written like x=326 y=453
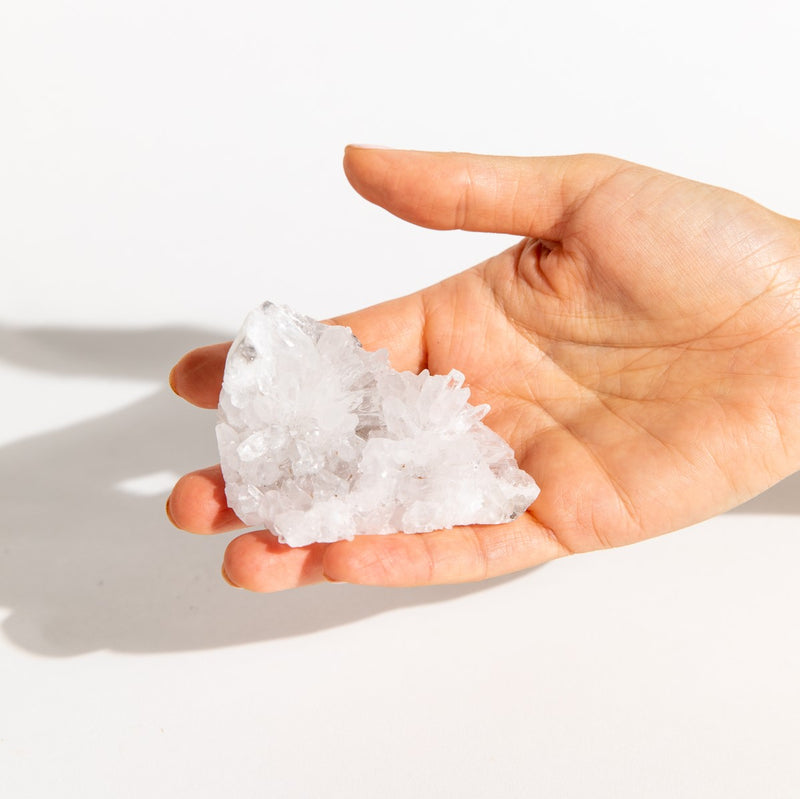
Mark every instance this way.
x=497 y=194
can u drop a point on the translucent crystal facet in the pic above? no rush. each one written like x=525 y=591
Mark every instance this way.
x=321 y=440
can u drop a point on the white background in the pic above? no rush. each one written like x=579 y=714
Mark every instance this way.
x=164 y=166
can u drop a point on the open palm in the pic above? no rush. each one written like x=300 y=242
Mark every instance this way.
x=640 y=349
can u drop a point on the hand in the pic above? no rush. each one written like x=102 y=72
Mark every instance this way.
x=640 y=349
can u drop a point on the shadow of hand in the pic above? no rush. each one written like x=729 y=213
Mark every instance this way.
x=87 y=563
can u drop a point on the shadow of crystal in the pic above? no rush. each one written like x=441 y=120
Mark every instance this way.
x=87 y=558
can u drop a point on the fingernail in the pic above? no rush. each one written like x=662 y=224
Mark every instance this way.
x=169 y=515
x=228 y=579
x=172 y=380
x=371 y=146
x=330 y=579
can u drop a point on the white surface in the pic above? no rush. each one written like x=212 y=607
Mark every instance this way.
x=145 y=148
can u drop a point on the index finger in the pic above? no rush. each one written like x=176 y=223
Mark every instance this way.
x=397 y=325
x=197 y=377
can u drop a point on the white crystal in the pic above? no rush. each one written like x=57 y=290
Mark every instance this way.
x=320 y=440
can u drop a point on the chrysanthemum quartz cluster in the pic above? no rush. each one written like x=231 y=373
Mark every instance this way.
x=321 y=440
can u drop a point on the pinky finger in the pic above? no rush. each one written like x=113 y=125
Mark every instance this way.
x=463 y=554
x=259 y=562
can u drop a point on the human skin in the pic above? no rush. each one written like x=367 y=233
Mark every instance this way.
x=639 y=347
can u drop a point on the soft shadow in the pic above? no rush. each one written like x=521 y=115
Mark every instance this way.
x=782 y=498
x=86 y=566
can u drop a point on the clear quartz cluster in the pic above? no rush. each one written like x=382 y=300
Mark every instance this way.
x=321 y=440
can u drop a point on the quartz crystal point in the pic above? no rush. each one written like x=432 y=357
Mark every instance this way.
x=321 y=440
